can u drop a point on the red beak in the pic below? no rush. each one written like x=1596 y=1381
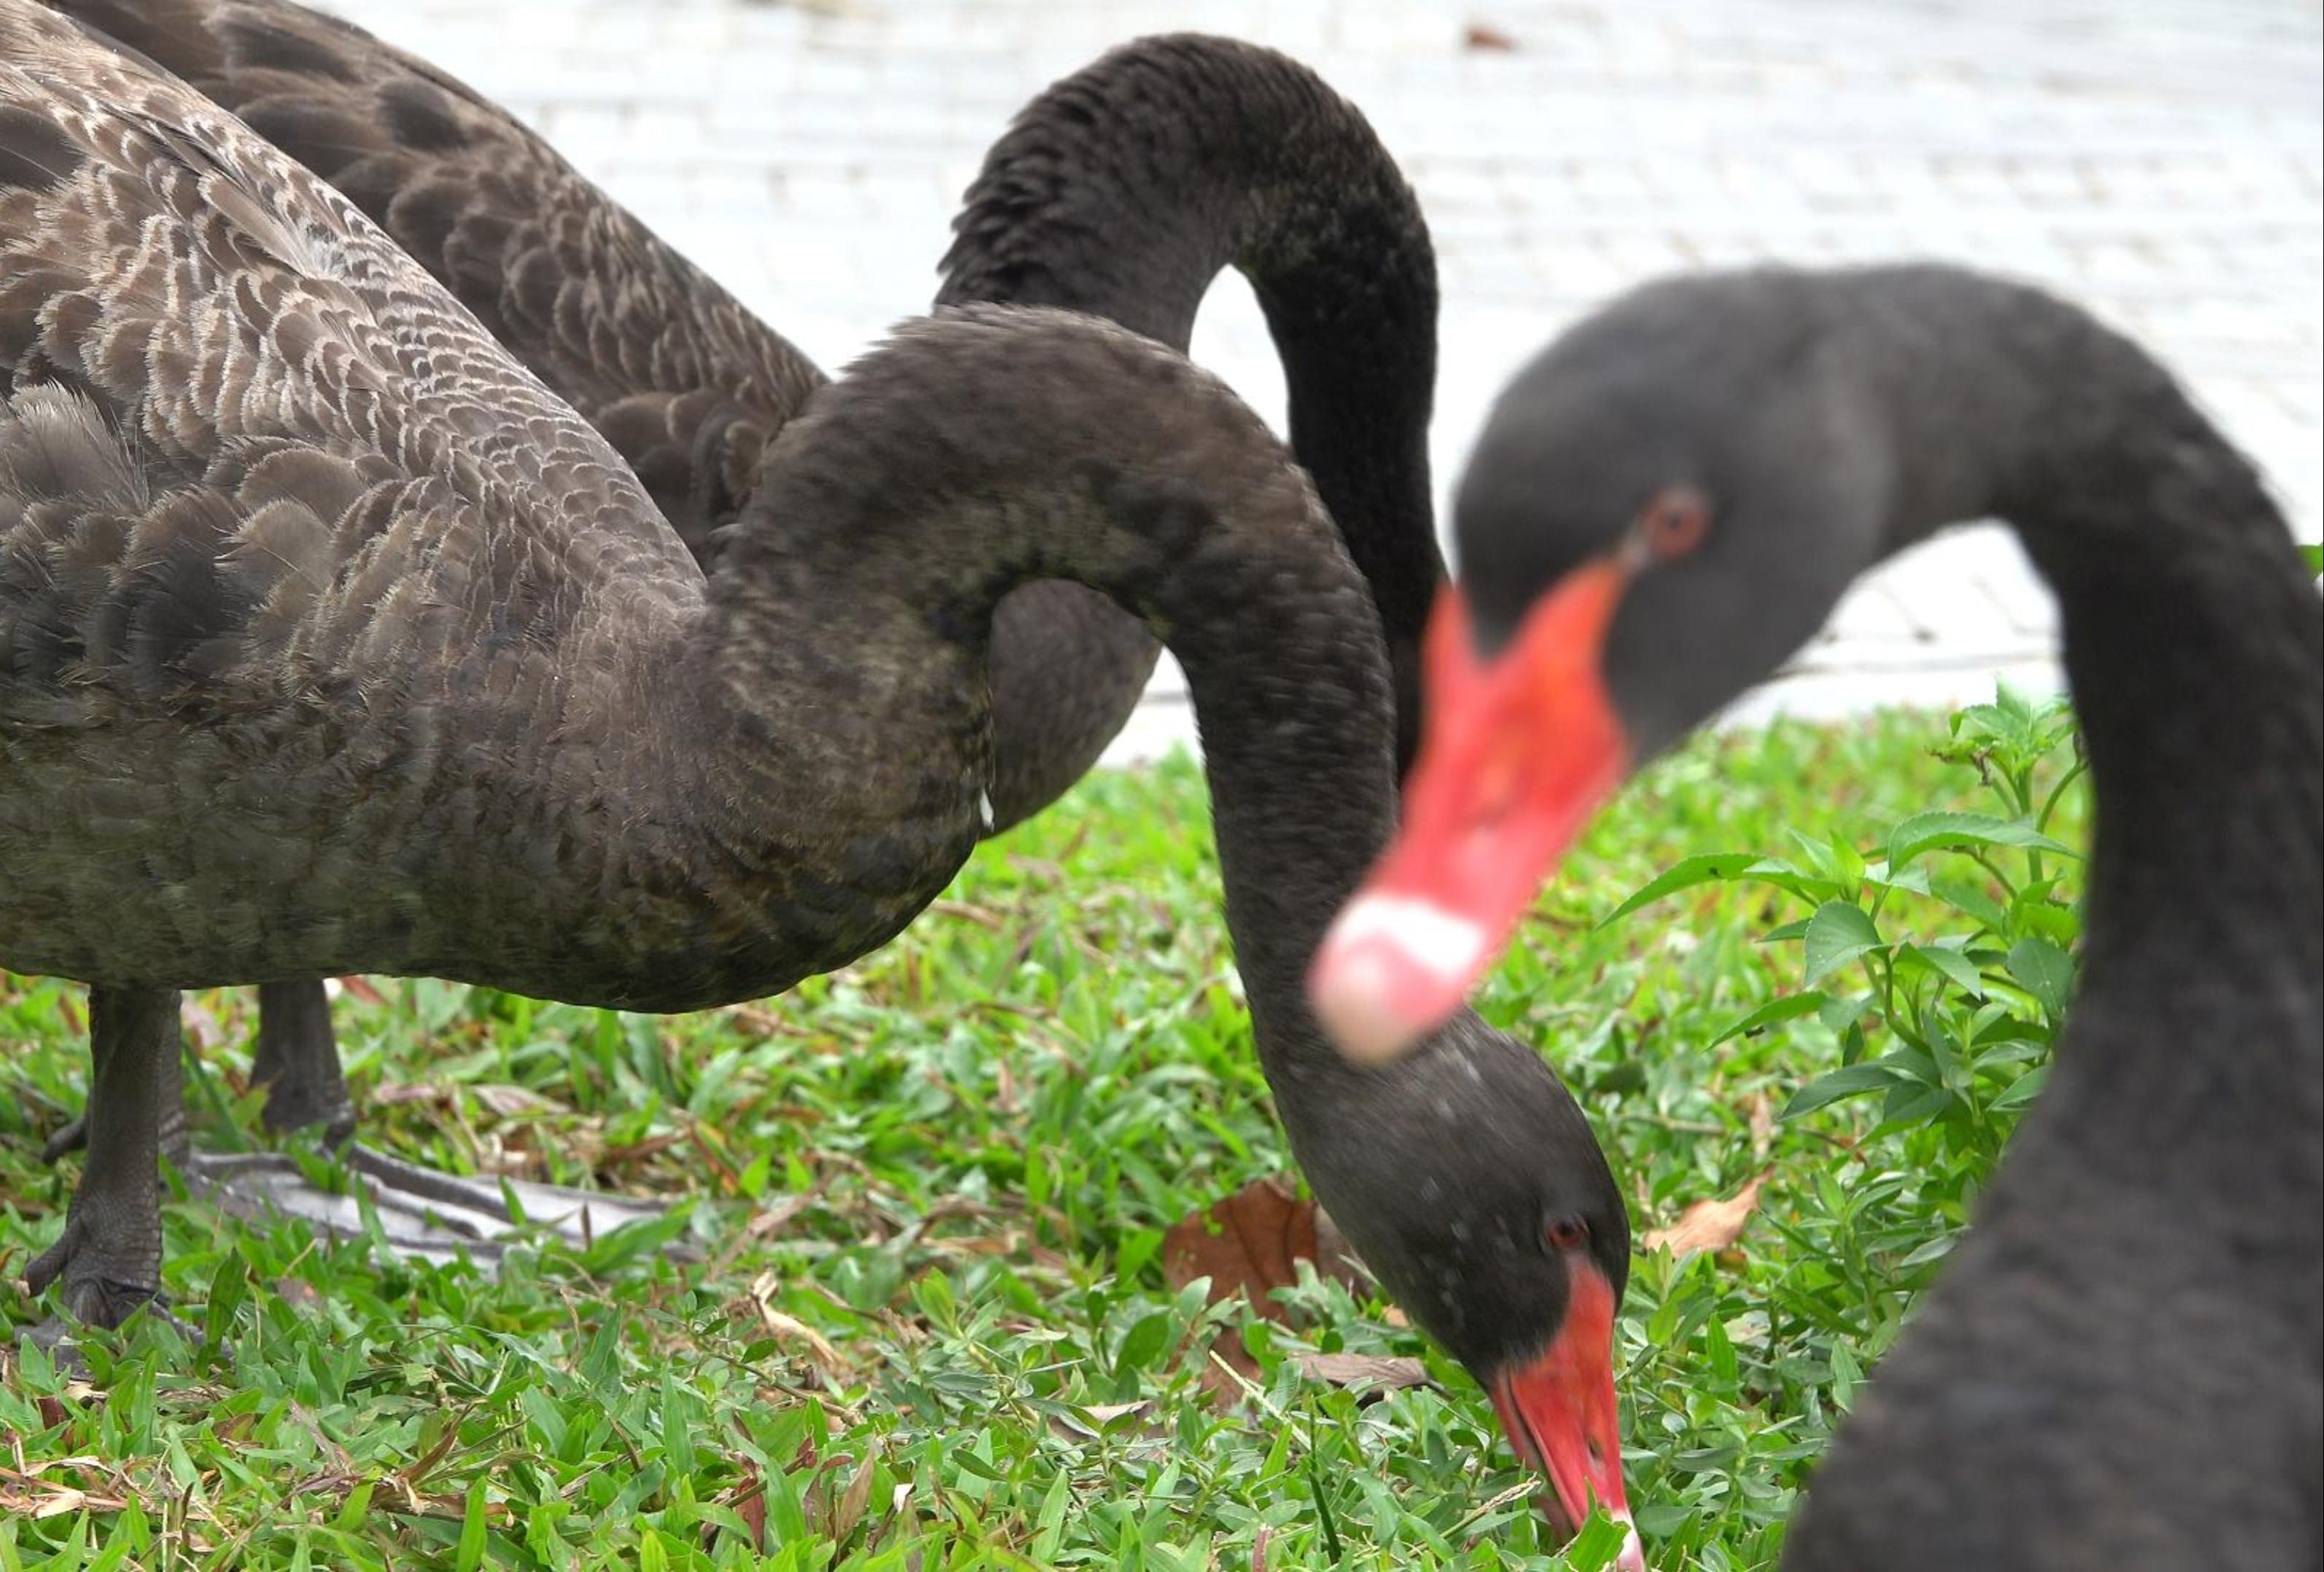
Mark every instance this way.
x=1560 y=1415
x=1516 y=754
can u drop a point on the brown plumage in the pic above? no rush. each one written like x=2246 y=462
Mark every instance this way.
x=1121 y=190
x=330 y=640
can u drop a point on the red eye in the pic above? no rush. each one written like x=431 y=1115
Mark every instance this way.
x=1568 y=1234
x=1674 y=522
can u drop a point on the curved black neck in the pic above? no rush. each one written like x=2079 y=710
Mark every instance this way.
x=2195 y=649
x=1126 y=188
x=976 y=452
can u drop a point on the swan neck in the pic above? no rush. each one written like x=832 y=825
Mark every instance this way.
x=1124 y=190
x=2195 y=653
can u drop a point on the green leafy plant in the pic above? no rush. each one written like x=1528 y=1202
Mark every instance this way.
x=1946 y=936
x=932 y=1327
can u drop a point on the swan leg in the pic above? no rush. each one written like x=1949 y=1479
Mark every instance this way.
x=109 y=1259
x=417 y=1211
x=298 y=1061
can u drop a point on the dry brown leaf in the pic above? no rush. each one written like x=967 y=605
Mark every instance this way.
x=791 y=1328
x=361 y=988
x=1364 y=1370
x=855 y=1503
x=748 y=1500
x=1252 y=1242
x=508 y=1102
x=1484 y=36
x=1710 y=1225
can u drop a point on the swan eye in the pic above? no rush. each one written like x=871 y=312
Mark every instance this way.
x=1674 y=522
x=1568 y=1233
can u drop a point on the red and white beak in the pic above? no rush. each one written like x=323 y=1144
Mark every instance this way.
x=1516 y=754
x=1561 y=1416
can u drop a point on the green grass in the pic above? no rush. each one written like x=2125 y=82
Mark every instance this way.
x=932 y=1190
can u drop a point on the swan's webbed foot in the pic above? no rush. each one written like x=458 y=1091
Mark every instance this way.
x=106 y=1278
x=417 y=1211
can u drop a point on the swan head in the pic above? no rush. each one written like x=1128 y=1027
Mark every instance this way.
x=1661 y=509
x=1469 y=1184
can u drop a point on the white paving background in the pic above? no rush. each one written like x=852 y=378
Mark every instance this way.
x=2158 y=160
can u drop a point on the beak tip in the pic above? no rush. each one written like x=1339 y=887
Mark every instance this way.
x=1391 y=969
x=1352 y=1001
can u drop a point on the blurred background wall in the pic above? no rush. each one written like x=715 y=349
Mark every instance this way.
x=2158 y=160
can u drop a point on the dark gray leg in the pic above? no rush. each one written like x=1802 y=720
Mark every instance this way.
x=109 y=1256
x=419 y=1211
x=298 y=1061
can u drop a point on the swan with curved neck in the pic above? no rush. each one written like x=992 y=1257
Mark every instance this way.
x=1121 y=190
x=330 y=641
x=2123 y=1365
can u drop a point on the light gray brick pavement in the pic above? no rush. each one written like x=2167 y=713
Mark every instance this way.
x=2161 y=161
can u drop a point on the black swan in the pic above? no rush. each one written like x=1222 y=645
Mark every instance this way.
x=1122 y=190
x=331 y=641
x=2120 y=1366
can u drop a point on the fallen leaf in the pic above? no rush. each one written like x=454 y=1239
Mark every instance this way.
x=791 y=1329
x=855 y=1503
x=411 y=1092
x=1485 y=36
x=361 y=988
x=1711 y=1224
x=1364 y=1370
x=508 y=1102
x=1252 y=1243
x=748 y=1500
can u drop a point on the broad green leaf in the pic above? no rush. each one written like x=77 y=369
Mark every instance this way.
x=1881 y=876
x=470 y=1553
x=1593 y=1549
x=1841 y=1013
x=1789 y=1007
x=1850 y=1081
x=1911 y=1064
x=2313 y=555
x=1972 y=900
x=1144 y=1341
x=2047 y=919
x=2047 y=972
x=1836 y=935
x=1847 y=1375
x=2023 y=1090
x=1910 y=1104
x=1681 y=876
x=1927 y=832
x=1951 y=965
